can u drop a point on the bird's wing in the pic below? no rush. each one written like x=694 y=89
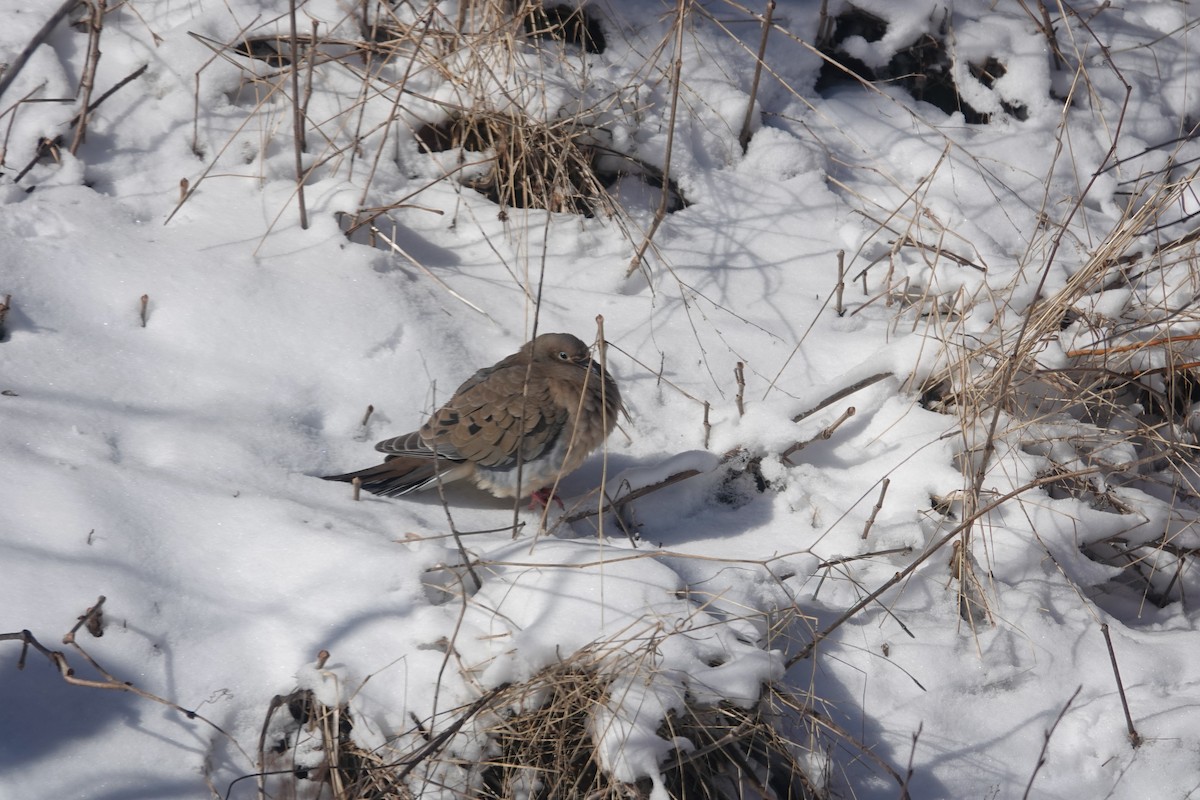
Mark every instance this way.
x=410 y=445
x=493 y=423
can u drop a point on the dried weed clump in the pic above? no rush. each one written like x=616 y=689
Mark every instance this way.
x=1098 y=383
x=545 y=740
x=1084 y=388
x=497 y=99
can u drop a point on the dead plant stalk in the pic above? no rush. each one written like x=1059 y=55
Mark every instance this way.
x=744 y=136
x=681 y=10
x=88 y=80
x=39 y=38
x=299 y=144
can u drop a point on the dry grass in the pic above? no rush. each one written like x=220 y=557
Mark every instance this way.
x=477 y=90
x=544 y=736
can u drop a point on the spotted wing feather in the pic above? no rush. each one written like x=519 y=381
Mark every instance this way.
x=491 y=421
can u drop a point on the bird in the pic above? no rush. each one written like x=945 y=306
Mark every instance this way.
x=538 y=412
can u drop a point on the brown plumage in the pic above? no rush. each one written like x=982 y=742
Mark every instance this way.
x=496 y=420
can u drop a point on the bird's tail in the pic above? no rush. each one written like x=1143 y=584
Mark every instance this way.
x=400 y=475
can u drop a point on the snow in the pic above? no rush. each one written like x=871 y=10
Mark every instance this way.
x=172 y=466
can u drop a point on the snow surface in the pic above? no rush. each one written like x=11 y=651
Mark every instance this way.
x=172 y=468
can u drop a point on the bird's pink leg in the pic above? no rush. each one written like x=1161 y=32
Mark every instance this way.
x=542 y=497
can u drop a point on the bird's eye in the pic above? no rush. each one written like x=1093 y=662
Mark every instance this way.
x=563 y=355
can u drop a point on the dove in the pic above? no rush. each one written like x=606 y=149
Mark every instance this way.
x=497 y=420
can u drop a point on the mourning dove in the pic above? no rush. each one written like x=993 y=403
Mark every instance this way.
x=497 y=421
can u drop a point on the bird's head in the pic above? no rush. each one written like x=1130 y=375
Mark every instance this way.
x=560 y=347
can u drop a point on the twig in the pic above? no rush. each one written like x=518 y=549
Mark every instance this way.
x=1135 y=739
x=458 y=542
x=1046 y=742
x=676 y=70
x=833 y=562
x=311 y=63
x=137 y=73
x=744 y=137
x=91 y=618
x=297 y=117
x=842 y=393
x=841 y=283
x=878 y=505
x=938 y=251
x=18 y=63
x=143 y=303
x=739 y=374
x=1047 y=28
x=367 y=416
x=59 y=661
x=537 y=317
x=438 y=741
x=7 y=304
x=868 y=752
x=1126 y=348
x=624 y=526
x=260 y=777
x=825 y=434
x=617 y=504
x=707 y=425
x=88 y=81
x=904 y=795
x=825 y=26
x=602 y=353
x=46 y=146
x=400 y=250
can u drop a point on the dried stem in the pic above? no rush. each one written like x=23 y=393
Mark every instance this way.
x=841 y=394
x=4 y=307
x=744 y=136
x=833 y=562
x=602 y=353
x=912 y=753
x=1135 y=739
x=841 y=283
x=1127 y=348
x=623 y=500
x=825 y=434
x=676 y=70
x=137 y=73
x=739 y=375
x=91 y=618
x=297 y=117
x=878 y=505
x=14 y=69
x=88 y=81
x=143 y=305
x=1046 y=742
x=46 y=146
x=108 y=681
x=707 y=424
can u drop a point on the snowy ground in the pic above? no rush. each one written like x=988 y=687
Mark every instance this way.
x=171 y=467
